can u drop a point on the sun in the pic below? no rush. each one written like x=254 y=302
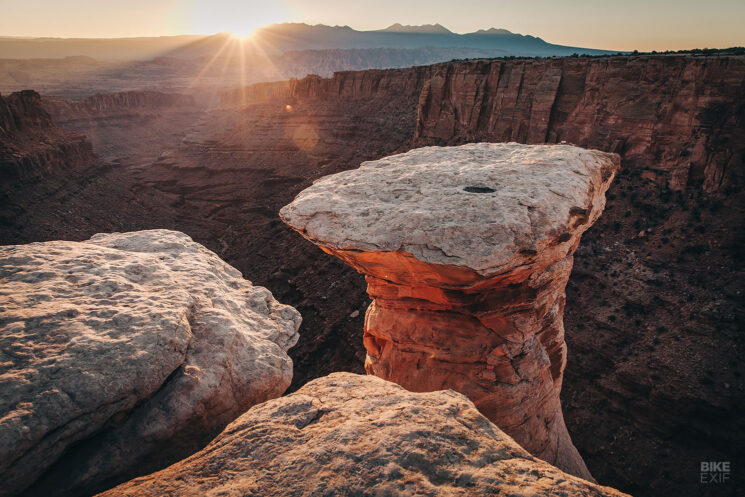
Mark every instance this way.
x=241 y=18
x=244 y=32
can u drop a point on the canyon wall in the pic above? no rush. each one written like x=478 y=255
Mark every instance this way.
x=110 y=104
x=373 y=83
x=678 y=118
x=31 y=146
x=681 y=119
x=132 y=127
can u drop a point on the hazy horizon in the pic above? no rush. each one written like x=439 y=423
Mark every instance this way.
x=633 y=25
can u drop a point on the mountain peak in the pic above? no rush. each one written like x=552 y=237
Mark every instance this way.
x=424 y=28
x=493 y=31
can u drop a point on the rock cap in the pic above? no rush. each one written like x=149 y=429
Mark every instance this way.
x=488 y=207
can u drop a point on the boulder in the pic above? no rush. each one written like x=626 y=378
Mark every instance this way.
x=354 y=435
x=124 y=353
x=467 y=251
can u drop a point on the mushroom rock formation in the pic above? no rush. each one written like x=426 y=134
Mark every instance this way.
x=347 y=434
x=125 y=353
x=467 y=251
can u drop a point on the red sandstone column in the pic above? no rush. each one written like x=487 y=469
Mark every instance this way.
x=467 y=252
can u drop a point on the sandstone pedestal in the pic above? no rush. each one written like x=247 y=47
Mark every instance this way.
x=467 y=251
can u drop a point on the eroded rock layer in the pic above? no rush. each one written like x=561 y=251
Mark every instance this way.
x=347 y=434
x=467 y=251
x=124 y=353
x=678 y=118
x=31 y=146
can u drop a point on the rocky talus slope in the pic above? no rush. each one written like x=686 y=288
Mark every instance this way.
x=466 y=252
x=351 y=435
x=124 y=353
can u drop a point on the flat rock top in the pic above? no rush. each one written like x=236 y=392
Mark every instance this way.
x=148 y=327
x=475 y=205
x=353 y=435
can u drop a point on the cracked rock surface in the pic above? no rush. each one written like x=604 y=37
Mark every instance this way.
x=467 y=252
x=124 y=353
x=348 y=434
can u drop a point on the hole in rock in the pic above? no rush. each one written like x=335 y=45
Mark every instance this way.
x=479 y=189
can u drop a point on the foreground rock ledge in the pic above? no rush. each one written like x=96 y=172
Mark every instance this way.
x=125 y=353
x=467 y=251
x=348 y=434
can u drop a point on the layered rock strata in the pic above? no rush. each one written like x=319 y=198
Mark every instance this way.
x=103 y=105
x=466 y=252
x=31 y=146
x=678 y=118
x=125 y=353
x=347 y=434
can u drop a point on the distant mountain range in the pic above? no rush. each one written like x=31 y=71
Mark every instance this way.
x=424 y=28
x=276 y=39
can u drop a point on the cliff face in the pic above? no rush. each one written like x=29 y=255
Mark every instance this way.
x=680 y=119
x=53 y=186
x=376 y=83
x=111 y=104
x=30 y=145
x=128 y=127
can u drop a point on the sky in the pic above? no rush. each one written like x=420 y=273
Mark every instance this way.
x=619 y=25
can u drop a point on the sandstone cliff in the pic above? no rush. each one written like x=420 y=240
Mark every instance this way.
x=115 y=104
x=401 y=84
x=132 y=127
x=678 y=118
x=31 y=146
